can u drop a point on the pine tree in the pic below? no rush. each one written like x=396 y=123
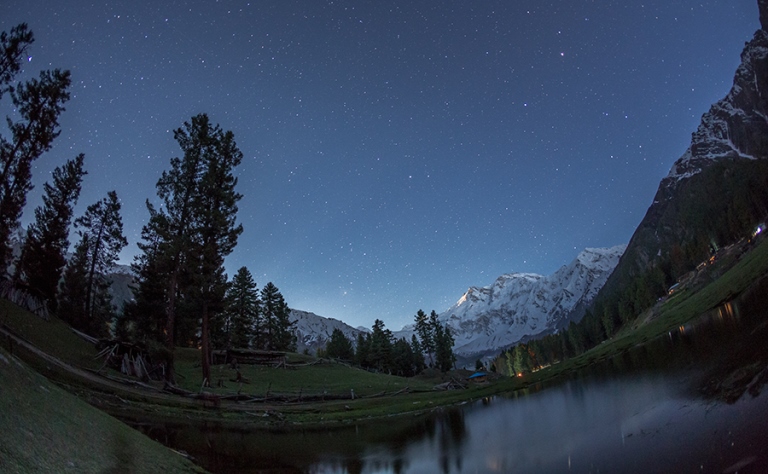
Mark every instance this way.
x=215 y=209
x=241 y=313
x=168 y=237
x=444 y=356
x=576 y=338
x=520 y=359
x=380 y=347
x=425 y=331
x=278 y=329
x=101 y=240
x=403 y=359
x=72 y=294
x=188 y=237
x=43 y=255
x=418 y=354
x=144 y=317
x=363 y=349
x=339 y=346
x=38 y=104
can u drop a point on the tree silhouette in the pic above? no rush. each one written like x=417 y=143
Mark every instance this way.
x=43 y=254
x=37 y=103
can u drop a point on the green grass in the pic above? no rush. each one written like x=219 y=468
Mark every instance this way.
x=681 y=309
x=674 y=312
x=325 y=377
x=53 y=335
x=46 y=429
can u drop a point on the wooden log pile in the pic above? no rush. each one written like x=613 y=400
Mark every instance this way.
x=128 y=358
x=452 y=384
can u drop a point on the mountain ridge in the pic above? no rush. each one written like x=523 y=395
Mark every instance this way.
x=715 y=194
x=520 y=306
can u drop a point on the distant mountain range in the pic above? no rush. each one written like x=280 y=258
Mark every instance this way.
x=521 y=306
x=313 y=331
x=485 y=320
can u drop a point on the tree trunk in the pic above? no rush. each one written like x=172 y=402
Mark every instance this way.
x=170 y=322
x=206 y=347
x=91 y=273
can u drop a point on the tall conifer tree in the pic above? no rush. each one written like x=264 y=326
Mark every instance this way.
x=240 y=318
x=215 y=213
x=188 y=237
x=101 y=240
x=278 y=332
x=38 y=104
x=43 y=255
x=424 y=330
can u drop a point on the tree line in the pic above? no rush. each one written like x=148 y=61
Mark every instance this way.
x=253 y=319
x=82 y=297
x=379 y=350
x=181 y=295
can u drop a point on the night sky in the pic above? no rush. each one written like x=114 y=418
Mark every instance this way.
x=396 y=152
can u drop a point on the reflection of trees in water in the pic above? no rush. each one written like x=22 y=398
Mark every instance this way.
x=353 y=465
x=453 y=434
x=447 y=428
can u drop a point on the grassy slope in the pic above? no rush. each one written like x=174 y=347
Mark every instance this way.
x=55 y=338
x=675 y=312
x=327 y=377
x=54 y=335
x=45 y=429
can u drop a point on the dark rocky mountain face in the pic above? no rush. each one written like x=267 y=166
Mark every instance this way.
x=734 y=127
x=716 y=193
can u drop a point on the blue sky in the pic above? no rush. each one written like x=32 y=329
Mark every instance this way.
x=396 y=152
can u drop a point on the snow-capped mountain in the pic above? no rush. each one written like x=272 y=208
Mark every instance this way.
x=313 y=331
x=519 y=306
x=121 y=281
x=735 y=126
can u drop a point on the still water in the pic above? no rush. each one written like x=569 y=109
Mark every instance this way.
x=640 y=412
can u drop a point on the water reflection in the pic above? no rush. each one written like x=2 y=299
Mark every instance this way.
x=638 y=412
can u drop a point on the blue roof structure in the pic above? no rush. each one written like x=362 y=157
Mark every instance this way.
x=477 y=374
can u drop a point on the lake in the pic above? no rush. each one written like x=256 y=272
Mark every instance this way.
x=679 y=403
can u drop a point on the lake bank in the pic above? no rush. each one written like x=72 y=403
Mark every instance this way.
x=608 y=417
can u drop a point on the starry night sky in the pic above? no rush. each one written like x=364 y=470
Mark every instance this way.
x=396 y=152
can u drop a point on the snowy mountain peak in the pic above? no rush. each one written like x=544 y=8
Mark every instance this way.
x=313 y=331
x=519 y=306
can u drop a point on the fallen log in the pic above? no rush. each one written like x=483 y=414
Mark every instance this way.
x=135 y=383
x=177 y=390
x=85 y=336
x=403 y=390
x=375 y=395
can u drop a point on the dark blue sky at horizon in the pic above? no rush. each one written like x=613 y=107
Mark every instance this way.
x=396 y=152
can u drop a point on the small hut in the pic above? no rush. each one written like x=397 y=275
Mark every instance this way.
x=478 y=377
